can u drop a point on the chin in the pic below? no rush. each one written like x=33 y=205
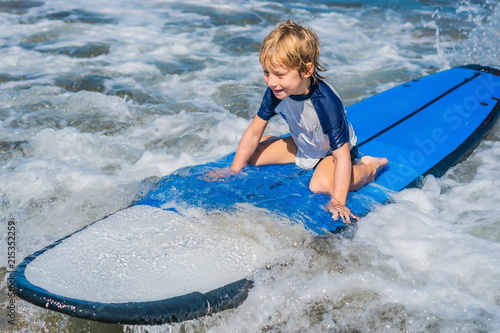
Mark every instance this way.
x=280 y=95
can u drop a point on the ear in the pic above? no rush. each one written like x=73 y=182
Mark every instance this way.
x=309 y=70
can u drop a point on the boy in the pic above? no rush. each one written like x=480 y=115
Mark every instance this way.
x=321 y=137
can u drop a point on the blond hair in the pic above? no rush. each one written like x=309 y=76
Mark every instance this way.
x=292 y=46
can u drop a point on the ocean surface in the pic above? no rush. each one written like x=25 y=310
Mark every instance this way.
x=96 y=96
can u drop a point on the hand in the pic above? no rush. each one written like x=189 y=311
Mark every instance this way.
x=339 y=210
x=217 y=174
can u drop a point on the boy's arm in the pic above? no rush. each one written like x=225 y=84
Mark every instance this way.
x=341 y=183
x=249 y=143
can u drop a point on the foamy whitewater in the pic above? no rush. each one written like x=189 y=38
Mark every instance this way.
x=97 y=96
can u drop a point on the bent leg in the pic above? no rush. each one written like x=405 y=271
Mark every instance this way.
x=362 y=174
x=272 y=150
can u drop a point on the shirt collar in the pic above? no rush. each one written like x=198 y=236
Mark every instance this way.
x=312 y=88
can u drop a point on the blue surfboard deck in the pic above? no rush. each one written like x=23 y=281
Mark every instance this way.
x=423 y=127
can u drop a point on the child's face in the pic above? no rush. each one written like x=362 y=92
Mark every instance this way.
x=285 y=82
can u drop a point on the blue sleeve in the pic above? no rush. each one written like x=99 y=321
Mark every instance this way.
x=331 y=114
x=268 y=105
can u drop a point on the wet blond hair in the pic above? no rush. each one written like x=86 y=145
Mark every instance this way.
x=292 y=46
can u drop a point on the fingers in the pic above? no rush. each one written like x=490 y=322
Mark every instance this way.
x=340 y=211
x=217 y=174
x=348 y=216
x=210 y=177
x=214 y=176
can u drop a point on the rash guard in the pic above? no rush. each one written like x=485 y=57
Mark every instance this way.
x=317 y=121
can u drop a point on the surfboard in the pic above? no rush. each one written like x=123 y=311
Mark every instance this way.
x=162 y=261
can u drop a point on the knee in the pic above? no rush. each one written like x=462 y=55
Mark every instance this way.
x=265 y=137
x=320 y=185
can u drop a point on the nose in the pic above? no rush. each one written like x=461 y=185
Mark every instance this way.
x=270 y=80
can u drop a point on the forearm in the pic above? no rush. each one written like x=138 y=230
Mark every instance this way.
x=342 y=174
x=248 y=143
x=246 y=148
x=341 y=185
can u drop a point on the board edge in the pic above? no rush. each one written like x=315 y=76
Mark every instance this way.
x=170 y=310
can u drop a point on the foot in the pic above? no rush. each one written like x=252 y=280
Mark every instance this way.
x=374 y=163
x=377 y=162
x=366 y=171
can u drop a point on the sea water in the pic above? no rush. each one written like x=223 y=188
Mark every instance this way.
x=97 y=96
